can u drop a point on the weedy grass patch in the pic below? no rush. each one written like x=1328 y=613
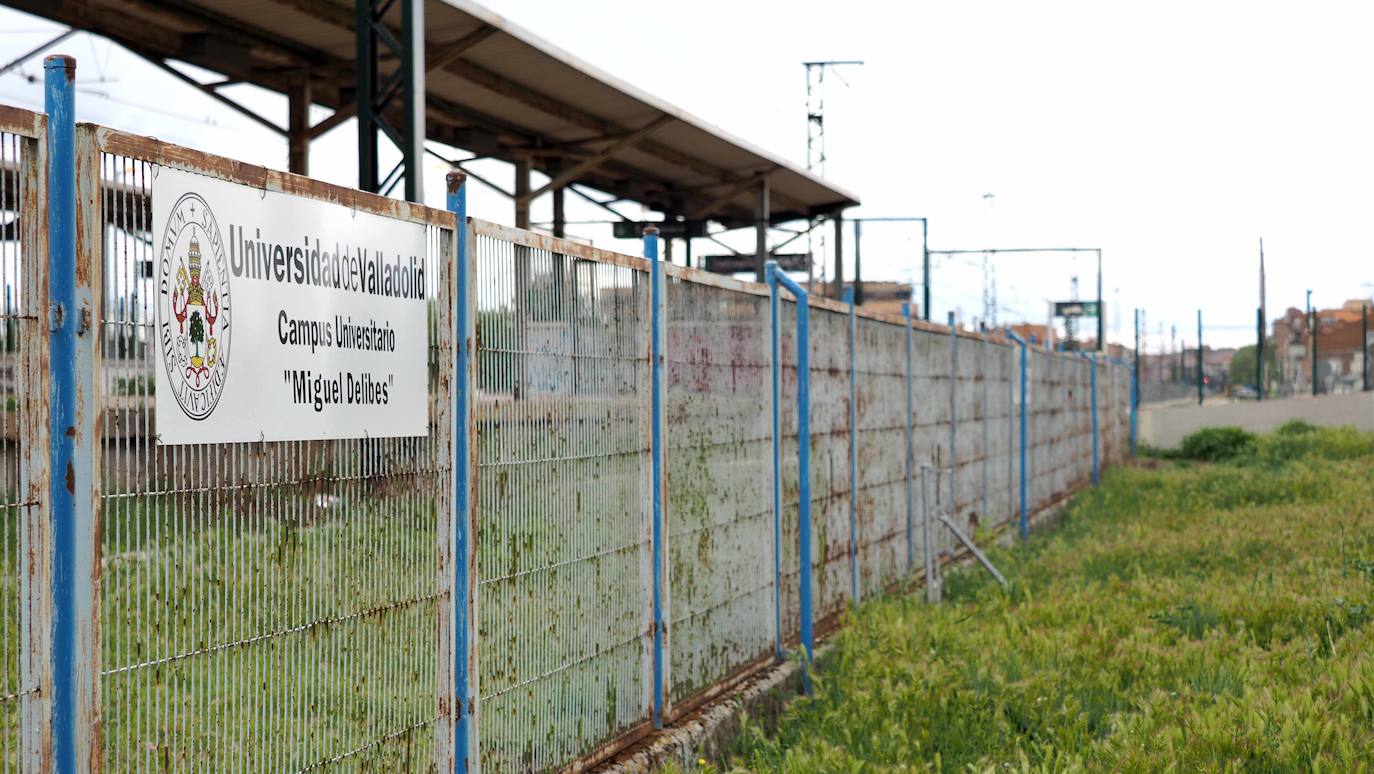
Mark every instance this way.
x=1184 y=617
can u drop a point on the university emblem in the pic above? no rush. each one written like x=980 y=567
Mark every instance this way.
x=193 y=306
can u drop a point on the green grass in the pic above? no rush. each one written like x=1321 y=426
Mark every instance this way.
x=1182 y=617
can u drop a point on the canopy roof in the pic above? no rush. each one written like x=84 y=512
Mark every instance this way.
x=492 y=88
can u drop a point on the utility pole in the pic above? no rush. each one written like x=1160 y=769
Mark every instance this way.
x=1259 y=354
x=1071 y=323
x=1364 y=346
x=1174 y=375
x=858 y=263
x=1101 y=315
x=815 y=154
x=1312 y=327
x=1135 y=398
x=1199 y=357
x=990 y=295
x=925 y=269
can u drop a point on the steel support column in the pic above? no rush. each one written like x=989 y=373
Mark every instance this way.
x=560 y=220
x=925 y=270
x=377 y=92
x=298 y=125
x=838 y=217
x=1101 y=311
x=858 y=264
x=761 y=229
x=522 y=192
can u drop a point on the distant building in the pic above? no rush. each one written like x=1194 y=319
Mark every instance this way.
x=1181 y=367
x=877 y=296
x=1040 y=334
x=1340 y=341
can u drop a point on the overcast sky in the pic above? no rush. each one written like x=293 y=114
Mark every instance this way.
x=1172 y=135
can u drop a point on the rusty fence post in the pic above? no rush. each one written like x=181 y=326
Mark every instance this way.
x=462 y=526
x=983 y=423
x=657 y=346
x=1024 y=520
x=953 y=416
x=1092 y=408
x=776 y=278
x=74 y=238
x=910 y=450
x=35 y=568
x=775 y=360
x=853 y=446
x=927 y=555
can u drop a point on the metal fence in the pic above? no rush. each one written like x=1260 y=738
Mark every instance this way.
x=25 y=535
x=582 y=546
x=719 y=494
x=563 y=538
x=260 y=605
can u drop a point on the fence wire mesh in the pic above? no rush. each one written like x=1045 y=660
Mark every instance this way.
x=830 y=479
x=283 y=606
x=881 y=437
x=788 y=593
x=263 y=606
x=564 y=591
x=717 y=400
x=18 y=530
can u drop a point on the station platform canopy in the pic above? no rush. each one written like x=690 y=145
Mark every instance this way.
x=491 y=88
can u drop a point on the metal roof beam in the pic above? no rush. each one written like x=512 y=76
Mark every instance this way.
x=601 y=157
x=603 y=205
x=439 y=57
x=506 y=87
x=337 y=117
x=459 y=165
x=734 y=190
x=224 y=28
x=163 y=65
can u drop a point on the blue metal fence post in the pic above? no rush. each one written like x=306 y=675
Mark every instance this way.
x=853 y=454
x=1025 y=519
x=953 y=418
x=910 y=451
x=465 y=748
x=1092 y=375
x=804 y=473
x=1097 y=444
x=1135 y=379
x=70 y=443
x=985 y=452
x=775 y=359
x=775 y=278
x=656 y=451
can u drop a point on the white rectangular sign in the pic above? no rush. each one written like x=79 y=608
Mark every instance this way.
x=284 y=318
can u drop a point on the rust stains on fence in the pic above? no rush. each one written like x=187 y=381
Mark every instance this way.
x=166 y=154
